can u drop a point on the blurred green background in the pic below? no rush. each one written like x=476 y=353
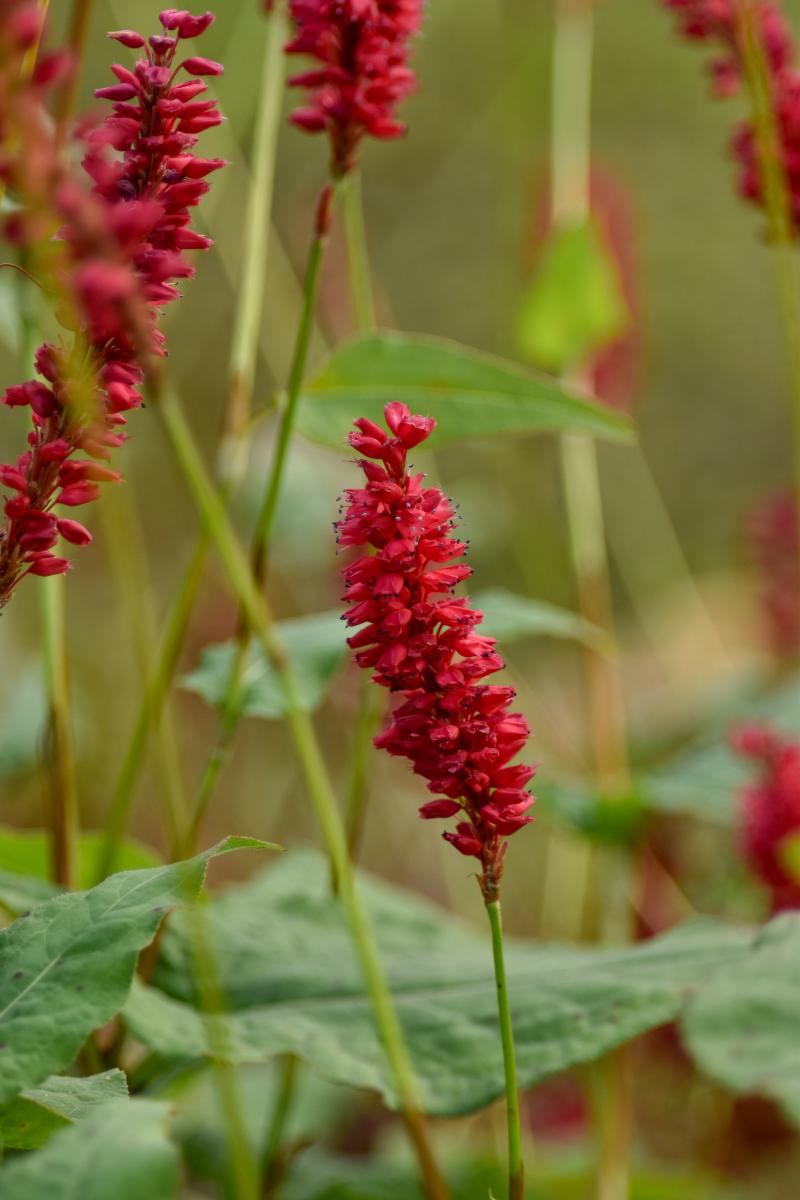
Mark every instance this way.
x=452 y=212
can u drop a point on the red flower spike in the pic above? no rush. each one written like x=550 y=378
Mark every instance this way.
x=362 y=48
x=771 y=809
x=122 y=247
x=420 y=643
x=718 y=22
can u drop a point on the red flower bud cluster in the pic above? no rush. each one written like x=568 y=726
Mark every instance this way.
x=421 y=642
x=119 y=252
x=362 y=47
x=771 y=810
x=720 y=21
x=774 y=532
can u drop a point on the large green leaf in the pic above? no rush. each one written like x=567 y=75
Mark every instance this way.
x=470 y=394
x=743 y=1026
x=316 y=646
x=574 y=304
x=25 y=864
x=706 y=778
x=29 y=1120
x=292 y=984
x=66 y=967
x=511 y=618
x=120 y=1151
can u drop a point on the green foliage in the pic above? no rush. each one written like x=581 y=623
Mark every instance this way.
x=293 y=985
x=68 y=964
x=470 y=394
x=121 y=1150
x=574 y=304
x=705 y=779
x=316 y=646
x=743 y=1026
x=29 y=1120
x=25 y=864
x=510 y=618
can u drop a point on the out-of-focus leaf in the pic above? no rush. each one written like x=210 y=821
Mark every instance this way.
x=510 y=618
x=743 y=1025
x=470 y=394
x=121 y=1150
x=320 y=1176
x=316 y=646
x=10 y=310
x=66 y=967
x=293 y=984
x=28 y=1121
x=706 y=778
x=574 y=304
x=25 y=864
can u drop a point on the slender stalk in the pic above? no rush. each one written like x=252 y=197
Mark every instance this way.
x=212 y=1001
x=778 y=205
x=231 y=707
x=250 y=290
x=370 y=700
x=571 y=139
x=76 y=44
x=271 y=1164
x=260 y=619
x=231 y=455
x=357 y=254
x=516 y=1167
x=127 y=558
x=64 y=811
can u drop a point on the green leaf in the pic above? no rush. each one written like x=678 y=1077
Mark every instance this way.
x=25 y=864
x=292 y=984
x=743 y=1026
x=510 y=618
x=66 y=967
x=316 y=646
x=574 y=304
x=28 y=1121
x=706 y=778
x=120 y=1151
x=470 y=394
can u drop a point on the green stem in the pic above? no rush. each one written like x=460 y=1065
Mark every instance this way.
x=260 y=619
x=231 y=706
x=76 y=45
x=150 y=709
x=212 y=1002
x=778 y=205
x=250 y=292
x=571 y=164
x=269 y=507
x=272 y=1166
x=127 y=557
x=516 y=1167
x=64 y=810
x=357 y=254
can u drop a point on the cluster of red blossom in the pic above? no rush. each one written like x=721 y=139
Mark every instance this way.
x=422 y=643
x=774 y=531
x=720 y=21
x=362 y=47
x=119 y=252
x=771 y=811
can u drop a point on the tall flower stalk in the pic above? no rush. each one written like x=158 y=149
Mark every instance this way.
x=232 y=453
x=422 y=645
x=571 y=140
